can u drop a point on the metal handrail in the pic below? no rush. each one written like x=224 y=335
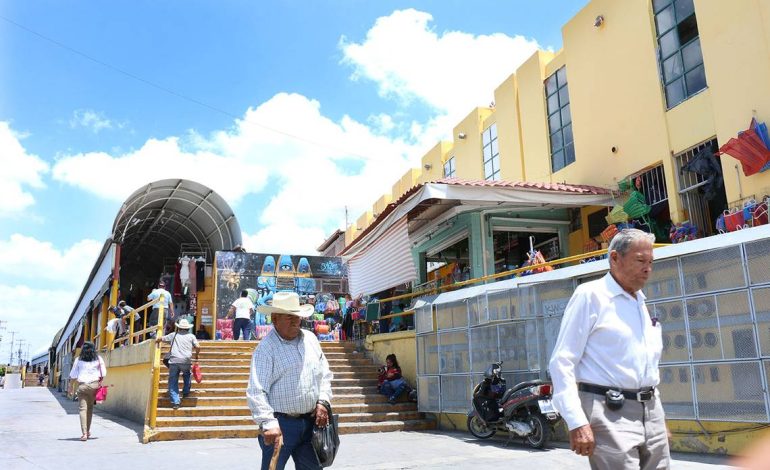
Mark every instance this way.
x=151 y=414
x=569 y=259
x=132 y=335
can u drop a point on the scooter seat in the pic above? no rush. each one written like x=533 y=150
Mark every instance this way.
x=520 y=386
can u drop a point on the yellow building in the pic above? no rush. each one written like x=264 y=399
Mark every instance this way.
x=638 y=88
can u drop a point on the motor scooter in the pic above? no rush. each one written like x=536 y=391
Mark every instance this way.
x=524 y=410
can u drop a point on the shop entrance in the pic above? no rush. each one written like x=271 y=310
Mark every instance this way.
x=512 y=246
x=449 y=263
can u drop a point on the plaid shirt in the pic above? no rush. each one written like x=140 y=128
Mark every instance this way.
x=287 y=377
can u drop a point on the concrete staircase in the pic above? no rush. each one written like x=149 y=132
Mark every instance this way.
x=216 y=408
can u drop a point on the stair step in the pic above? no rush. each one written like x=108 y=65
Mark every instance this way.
x=212 y=384
x=225 y=410
x=354 y=389
x=209 y=392
x=386 y=426
x=215 y=376
x=345 y=382
x=195 y=401
x=358 y=398
x=215 y=421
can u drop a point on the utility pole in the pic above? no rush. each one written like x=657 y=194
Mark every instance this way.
x=10 y=359
x=21 y=342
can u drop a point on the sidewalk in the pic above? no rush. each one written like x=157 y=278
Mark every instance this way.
x=39 y=429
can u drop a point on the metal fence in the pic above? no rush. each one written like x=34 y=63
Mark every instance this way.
x=714 y=307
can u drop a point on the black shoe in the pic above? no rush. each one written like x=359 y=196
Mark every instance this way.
x=175 y=406
x=392 y=401
x=185 y=395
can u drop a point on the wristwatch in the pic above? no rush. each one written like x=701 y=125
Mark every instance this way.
x=325 y=404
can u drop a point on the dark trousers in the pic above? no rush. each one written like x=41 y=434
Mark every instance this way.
x=297 y=433
x=241 y=324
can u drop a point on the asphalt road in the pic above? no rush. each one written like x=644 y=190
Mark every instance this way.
x=39 y=429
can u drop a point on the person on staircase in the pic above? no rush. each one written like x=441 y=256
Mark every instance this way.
x=243 y=308
x=289 y=384
x=391 y=383
x=183 y=342
x=168 y=304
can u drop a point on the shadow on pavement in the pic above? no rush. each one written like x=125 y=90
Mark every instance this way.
x=71 y=408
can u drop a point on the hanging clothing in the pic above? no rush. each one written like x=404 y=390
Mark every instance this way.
x=184 y=272
x=177 y=282
x=193 y=278
x=200 y=266
x=706 y=165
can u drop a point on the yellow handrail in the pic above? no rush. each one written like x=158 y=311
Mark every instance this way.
x=569 y=259
x=136 y=334
x=152 y=413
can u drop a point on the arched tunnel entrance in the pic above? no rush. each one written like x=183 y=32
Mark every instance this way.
x=163 y=222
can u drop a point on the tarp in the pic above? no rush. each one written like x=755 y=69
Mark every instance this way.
x=385 y=263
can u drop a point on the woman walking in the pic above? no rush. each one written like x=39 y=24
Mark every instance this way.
x=88 y=370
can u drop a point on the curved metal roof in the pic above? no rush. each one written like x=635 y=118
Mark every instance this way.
x=165 y=217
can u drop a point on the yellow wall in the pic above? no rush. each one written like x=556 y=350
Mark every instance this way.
x=129 y=377
x=532 y=112
x=735 y=39
x=508 y=136
x=400 y=343
x=381 y=204
x=435 y=159
x=364 y=221
x=467 y=151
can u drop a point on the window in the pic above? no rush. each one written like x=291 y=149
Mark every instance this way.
x=449 y=168
x=559 y=120
x=679 y=52
x=491 y=153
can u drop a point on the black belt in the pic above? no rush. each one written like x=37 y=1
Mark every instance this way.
x=643 y=394
x=294 y=416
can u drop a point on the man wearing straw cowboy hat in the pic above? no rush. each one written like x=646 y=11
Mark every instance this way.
x=289 y=384
x=180 y=359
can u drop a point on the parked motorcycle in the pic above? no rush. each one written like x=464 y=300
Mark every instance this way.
x=524 y=410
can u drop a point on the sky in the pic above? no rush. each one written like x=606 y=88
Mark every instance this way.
x=290 y=110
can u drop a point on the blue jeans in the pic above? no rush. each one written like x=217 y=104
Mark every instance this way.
x=241 y=324
x=297 y=433
x=173 y=381
x=393 y=388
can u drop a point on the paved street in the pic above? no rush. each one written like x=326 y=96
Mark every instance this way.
x=40 y=430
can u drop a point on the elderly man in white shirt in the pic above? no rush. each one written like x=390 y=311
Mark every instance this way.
x=605 y=365
x=289 y=384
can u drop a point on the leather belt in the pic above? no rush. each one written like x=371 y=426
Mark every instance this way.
x=642 y=395
x=294 y=415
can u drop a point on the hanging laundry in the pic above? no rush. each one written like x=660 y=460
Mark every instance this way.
x=705 y=164
x=200 y=274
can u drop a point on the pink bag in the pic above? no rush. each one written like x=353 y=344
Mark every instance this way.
x=101 y=392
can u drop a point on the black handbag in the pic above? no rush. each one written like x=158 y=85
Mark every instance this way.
x=167 y=356
x=326 y=440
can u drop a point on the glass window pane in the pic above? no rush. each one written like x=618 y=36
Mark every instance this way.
x=487 y=152
x=669 y=43
x=567 y=133
x=563 y=96
x=488 y=169
x=493 y=131
x=496 y=164
x=556 y=141
x=665 y=20
x=553 y=103
x=550 y=85
x=566 y=115
x=684 y=8
x=692 y=55
x=485 y=137
x=554 y=123
x=569 y=154
x=494 y=147
x=675 y=93
x=561 y=76
x=557 y=161
x=696 y=80
x=658 y=4
x=687 y=30
x=672 y=68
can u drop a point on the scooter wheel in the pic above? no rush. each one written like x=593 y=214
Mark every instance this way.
x=541 y=431
x=480 y=430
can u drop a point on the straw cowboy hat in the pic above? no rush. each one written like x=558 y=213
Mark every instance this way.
x=288 y=303
x=183 y=324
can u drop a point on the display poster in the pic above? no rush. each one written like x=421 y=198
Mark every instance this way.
x=262 y=274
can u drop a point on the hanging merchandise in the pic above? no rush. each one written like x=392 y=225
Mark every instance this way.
x=749 y=148
x=636 y=206
x=617 y=215
x=706 y=165
x=200 y=272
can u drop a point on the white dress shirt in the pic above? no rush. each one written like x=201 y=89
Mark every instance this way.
x=606 y=338
x=87 y=372
x=287 y=377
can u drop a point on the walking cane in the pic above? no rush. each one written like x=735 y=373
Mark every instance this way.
x=276 y=451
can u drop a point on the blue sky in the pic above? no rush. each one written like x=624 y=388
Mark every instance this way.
x=98 y=99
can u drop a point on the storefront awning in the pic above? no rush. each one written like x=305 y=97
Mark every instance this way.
x=383 y=264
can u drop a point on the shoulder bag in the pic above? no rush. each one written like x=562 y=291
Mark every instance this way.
x=167 y=356
x=326 y=440
x=101 y=392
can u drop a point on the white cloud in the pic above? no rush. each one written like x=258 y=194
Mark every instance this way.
x=451 y=71
x=26 y=258
x=39 y=285
x=20 y=171
x=91 y=120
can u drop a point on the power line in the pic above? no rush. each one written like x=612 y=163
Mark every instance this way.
x=174 y=93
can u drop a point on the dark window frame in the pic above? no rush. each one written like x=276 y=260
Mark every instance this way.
x=488 y=141
x=449 y=168
x=561 y=138
x=680 y=78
